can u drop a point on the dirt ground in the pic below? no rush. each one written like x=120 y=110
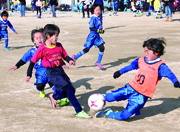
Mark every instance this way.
x=21 y=108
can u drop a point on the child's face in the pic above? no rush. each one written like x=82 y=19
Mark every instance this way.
x=4 y=18
x=149 y=54
x=97 y=11
x=38 y=39
x=53 y=39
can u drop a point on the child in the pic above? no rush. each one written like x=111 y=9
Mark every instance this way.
x=78 y=6
x=93 y=37
x=43 y=5
x=4 y=23
x=12 y=9
x=16 y=5
x=38 y=8
x=41 y=76
x=157 y=8
x=138 y=7
x=151 y=7
x=52 y=54
x=133 y=8
x=102 y=9
x=109 y=7
x=33 y=5
x=151 y=70
x=125 y=5
x=85 y=6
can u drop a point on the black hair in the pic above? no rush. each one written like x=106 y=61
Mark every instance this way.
x=50 y=29
x=94 y=6
x=35 y=31
x=156 y=44
x=4 y=13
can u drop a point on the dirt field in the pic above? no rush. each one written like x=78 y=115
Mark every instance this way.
x=21 y=108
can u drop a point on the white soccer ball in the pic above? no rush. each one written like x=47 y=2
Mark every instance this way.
x=96 y=101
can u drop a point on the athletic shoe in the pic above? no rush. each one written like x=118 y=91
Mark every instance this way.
x=74 y=58
x=82 y=114
x=103 y=113
x=6 y=49
x=100 y=66
x=42 y=94
x=53 y=101
x=64 y=101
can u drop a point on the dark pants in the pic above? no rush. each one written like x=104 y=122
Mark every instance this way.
x=87 y=9
x=38 y=8
x=63 y=86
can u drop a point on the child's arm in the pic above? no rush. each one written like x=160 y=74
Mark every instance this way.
x=18 y=64
x=10 y=25
x=132 y=66
x=164 y=71
x=25 y=58
x=29 y=71
x=70 y=61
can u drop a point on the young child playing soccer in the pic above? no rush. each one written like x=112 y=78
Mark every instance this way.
x=52 y=54
x=4 y=23
x=151 y=70
x=94 y=37
x=41 y=76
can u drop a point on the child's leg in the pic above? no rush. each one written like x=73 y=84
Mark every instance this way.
x=82 y=52
x=101 y=52
x=73 y=100
x=6 y=44
x=135 y=103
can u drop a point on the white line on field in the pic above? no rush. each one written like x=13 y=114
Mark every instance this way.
x=16 y=92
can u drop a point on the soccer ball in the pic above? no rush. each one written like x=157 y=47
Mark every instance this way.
x=96 y=101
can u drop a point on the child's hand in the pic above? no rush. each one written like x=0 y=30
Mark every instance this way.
x=72 y=63
x=27 y=79
x=101 y=31
x=117 y=74
x=16 y=32
x=14 y=68
x=65 y=67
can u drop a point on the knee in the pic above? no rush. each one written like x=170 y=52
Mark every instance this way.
x=125 y=115
x=40 y=86
x=101 y=48
x=86 y=50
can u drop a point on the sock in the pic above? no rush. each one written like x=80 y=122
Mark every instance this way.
x=79 y=54
x=100 y=55
x=6 y=43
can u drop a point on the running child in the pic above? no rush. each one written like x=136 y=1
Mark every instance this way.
x=151 y=70
x=4 y=23
x=94 y=37
x=12 y=9
x=38 y=8
x=109 y=7
x=16 y=5
x=40 y=74
x=52 y=54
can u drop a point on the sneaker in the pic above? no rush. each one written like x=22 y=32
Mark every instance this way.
x=64 y=101
x=103 y=113
x=6 y=49
x=53 y=101
x=82 y=114
x=42 y=94
x=100 y=66
x=74 y=58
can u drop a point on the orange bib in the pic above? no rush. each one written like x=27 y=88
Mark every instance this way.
x=147 y=77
